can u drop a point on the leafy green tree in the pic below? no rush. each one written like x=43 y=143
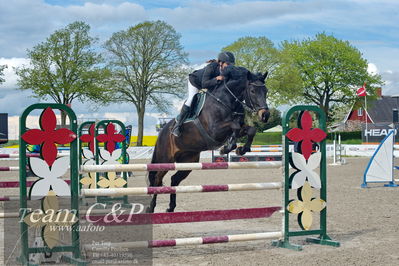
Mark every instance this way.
x=65 y=67
x=330 y=71
x=257 y=54
x=284 y=83
x=2 y=67
x=147 y=62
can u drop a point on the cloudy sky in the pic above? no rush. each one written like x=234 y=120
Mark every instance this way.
x=205 y=26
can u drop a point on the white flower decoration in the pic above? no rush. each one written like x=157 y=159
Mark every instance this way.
x=87 y=154
x=306 y=170
x=111 y=158
x=49 y=177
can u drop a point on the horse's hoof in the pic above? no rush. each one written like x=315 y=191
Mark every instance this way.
x=234 y=146
x=149 y=210
x=240 y=151
x=169 y=210
x=223 y=151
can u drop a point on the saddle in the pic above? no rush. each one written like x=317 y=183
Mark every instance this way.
x=196 y=106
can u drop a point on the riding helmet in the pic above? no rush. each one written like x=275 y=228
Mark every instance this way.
x=227 y=57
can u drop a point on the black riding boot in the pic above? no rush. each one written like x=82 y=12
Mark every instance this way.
x=185 y=111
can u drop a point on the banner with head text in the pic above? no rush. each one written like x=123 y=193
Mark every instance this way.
x=375 y=133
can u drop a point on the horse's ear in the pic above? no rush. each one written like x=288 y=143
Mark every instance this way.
x=249 y=75
x=264 y=76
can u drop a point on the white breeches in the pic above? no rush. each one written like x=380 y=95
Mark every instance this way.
x=191 y=92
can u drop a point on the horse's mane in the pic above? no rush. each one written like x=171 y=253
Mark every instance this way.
x=255 y=76
x=237 y=74
x=236 y=78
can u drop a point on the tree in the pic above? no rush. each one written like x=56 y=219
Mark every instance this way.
x=147 y=62
x=257 y=54
x=65 y=67
x=329 y=72
x=2 y=67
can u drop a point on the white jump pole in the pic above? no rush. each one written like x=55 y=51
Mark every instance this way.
x=178 y=166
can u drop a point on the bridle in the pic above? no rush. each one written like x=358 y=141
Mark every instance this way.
x=242 y=103
x=249 y=98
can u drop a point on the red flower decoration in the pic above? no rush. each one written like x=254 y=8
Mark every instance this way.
x=306 y=134
x=110 y=138
x=48 y=136
x=89 y=138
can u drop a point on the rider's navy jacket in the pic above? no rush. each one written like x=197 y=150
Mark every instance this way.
x=205 y=77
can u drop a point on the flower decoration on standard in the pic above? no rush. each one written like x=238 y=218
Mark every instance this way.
x=90 y=179
x=305 y=160
x=112 y=180
x=305 y=170
x=89 y=138
x=52 y=219
x=48 y=136
x=49 y=178
x=305 y=205
x=110 y=137
x=306 y=135
x=111 y=155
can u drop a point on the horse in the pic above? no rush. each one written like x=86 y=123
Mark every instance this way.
x=221 y=118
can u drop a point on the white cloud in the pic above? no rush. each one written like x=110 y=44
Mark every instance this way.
x=122 y=116
x=101 y=13
x=9 y=73
x=372 y=69
x=391 y=79
x=28 y=22
x=12 y=100
x=222 y=16
x=386 y=58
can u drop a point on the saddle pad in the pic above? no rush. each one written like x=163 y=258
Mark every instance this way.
x=196 y=106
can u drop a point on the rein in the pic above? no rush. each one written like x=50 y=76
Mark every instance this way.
x=238 y=100
x=223 y=104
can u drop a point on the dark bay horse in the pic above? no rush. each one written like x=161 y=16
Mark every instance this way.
x=221 y=119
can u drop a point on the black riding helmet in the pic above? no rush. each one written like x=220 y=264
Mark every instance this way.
x=227 y=57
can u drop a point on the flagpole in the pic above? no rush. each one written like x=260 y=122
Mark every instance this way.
x=365 y=107
x=361 y=92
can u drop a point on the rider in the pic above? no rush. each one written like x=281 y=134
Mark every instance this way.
x=208 y=77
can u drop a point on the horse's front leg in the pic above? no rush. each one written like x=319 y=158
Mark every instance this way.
x=232 y=141
x=176 y=179
x=155 y=179
x=250 y=132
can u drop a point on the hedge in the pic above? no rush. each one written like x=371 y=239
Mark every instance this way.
x=354 y=137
